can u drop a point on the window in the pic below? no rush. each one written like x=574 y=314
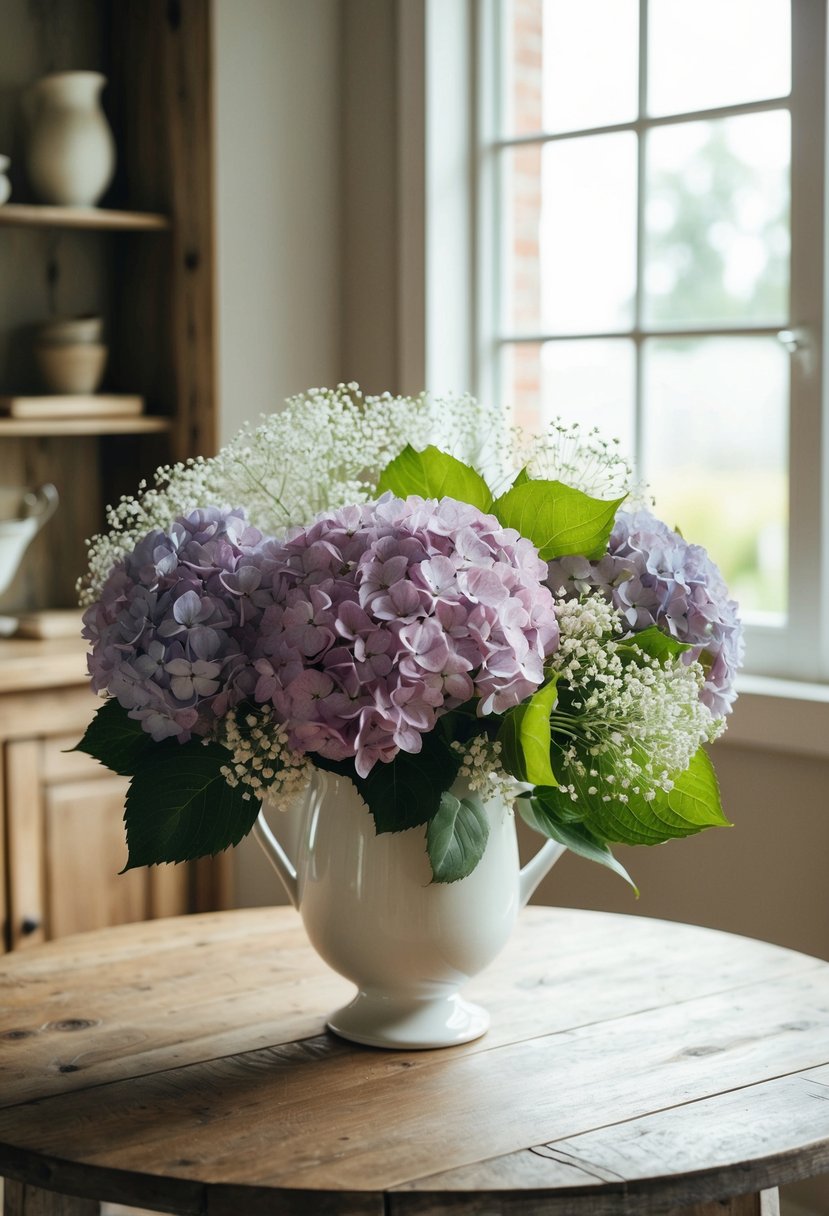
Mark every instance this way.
x=650 y=231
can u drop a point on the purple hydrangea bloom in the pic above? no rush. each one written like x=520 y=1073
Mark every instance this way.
x=386 y=615
x=175 y=622
x=655 y=577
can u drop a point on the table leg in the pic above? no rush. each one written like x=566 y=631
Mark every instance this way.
x=21 y=1199
x=766 y=1203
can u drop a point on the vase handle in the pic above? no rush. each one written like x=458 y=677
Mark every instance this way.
x=537 y=868
x=278 y=858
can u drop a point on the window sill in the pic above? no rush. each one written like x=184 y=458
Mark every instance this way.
x=780 y=716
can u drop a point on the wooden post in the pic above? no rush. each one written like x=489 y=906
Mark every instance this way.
x=765 y=1203
x=21 y=1199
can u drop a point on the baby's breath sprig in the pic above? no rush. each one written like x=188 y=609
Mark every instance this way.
x=325 y=448
x=626 y=721
x=582 y=459
x=482 y=768
x=260 y=756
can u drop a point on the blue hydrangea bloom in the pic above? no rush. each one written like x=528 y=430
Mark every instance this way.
x=653 y=576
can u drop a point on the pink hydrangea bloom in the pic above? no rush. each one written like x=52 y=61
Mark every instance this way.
x=386 y=615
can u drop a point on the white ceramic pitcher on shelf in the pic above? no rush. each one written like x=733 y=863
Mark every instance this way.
x=69 y=149
x=373 y=913
x=23 y=513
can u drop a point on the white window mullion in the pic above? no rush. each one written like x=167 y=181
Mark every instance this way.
x=641 y=186
x=809 y=519
x=489 y=227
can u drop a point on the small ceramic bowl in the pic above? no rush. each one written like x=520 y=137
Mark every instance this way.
x=72 y=368
x=64 y=331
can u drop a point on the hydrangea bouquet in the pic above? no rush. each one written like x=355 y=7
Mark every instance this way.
x=404 y=591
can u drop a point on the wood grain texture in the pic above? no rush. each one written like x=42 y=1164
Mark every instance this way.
x=23 y=1199
x=161 y=55
x=633 y=1066
x=24 y=832
x=84 y=851
x=27 y=664
x=36 y=215
x=55 y=427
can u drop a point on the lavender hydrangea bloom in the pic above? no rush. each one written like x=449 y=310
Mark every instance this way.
x=655 y=577
x=386 y=615
x=176 y=621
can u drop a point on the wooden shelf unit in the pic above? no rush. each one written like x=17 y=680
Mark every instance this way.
x=145 y=261
x=38 y=215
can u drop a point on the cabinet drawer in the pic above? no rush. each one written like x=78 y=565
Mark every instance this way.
x=58 y=762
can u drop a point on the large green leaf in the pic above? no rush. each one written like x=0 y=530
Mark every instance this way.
x=541 y=816
x=406 y=792
x=525 y=738
x=180 y=807
x=456 y=837
x=434 y=474
x=692 y=804
x=559 y=520
x=115 y=739
x=652 y=641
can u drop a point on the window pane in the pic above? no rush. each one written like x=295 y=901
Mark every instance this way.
x=589 y=381
x=571 y=235
x=571 y=66
x=717 y=221
x=714 y=53
x=716 y=424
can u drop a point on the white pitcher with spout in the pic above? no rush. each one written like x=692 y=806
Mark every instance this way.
x=373 y=913
x=23 y=513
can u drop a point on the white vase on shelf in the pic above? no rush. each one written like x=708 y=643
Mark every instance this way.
x=70 y=150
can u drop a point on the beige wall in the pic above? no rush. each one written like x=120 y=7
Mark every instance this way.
x=277 y=84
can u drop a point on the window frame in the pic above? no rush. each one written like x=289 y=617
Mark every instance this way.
x=798 y=649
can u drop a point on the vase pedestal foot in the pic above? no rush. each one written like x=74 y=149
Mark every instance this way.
x=407 y=1024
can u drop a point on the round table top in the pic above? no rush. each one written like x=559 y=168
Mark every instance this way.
x=184 y=1065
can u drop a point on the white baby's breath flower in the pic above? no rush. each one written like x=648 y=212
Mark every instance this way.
x=260 y=757
x=481 y=767
x=326 y=448
x=637 y=719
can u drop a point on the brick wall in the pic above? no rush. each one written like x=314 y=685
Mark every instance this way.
x=522 y=369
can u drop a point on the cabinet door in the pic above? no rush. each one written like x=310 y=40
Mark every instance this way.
x=66 y=846
x=84 y=850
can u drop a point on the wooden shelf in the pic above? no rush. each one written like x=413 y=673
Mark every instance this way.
x=36 y=215
x=32 y=427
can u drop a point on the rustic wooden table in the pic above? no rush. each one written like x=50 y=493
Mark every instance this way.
x=632 y=1066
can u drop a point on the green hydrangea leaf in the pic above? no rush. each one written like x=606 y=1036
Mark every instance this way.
x=692 y=804
x=456 y=838
x=180 y=807
x=559 y=520
x=696 y=794
x=115 y=739
x=525 y=737
x=434 y=474
x=541 y=816
x=652 y=641
x=406 y=792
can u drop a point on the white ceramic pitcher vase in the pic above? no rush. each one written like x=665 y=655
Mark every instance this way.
x=372 y=913
x=70 y=150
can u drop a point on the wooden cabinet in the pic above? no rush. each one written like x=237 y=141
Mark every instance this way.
x=144 y=260
x=61 y=814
